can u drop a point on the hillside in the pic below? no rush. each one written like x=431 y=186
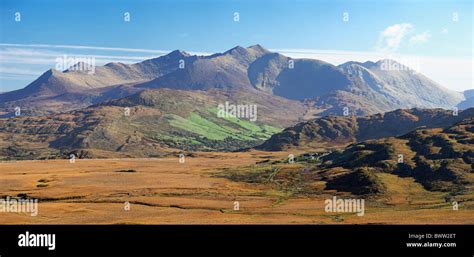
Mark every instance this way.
x=159 y=122
x=426 y=168
x=439 y=159
x=334 y=130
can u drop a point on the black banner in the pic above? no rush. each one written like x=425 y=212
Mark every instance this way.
x=236 y=240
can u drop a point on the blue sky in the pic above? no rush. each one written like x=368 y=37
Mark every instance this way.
x=436 y=36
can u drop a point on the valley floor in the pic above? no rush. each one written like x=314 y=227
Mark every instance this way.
x=165 y=191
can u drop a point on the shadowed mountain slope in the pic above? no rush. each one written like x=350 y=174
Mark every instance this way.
x=469 y=102
x=440 y=159
x=343 y=130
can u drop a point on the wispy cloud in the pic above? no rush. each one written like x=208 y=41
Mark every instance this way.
x=420 y=38
x=46 y=54
x=27 y=55
x=390 y=38
x=137 y=50
x=31 y=56
x=18 y=71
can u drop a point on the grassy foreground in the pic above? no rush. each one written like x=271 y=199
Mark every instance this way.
x=202 y=191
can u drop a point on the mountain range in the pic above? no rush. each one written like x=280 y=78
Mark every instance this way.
x=171 y=104
x=362 y=88
x=342 y=130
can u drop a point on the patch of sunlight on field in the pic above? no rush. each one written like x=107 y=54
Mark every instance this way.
x=405 y=191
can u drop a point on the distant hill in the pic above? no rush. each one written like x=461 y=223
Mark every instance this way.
x=388 y=85
x=331 y=130
x=363 y=88
x=158 y=122
x=438 y=159
x=469 y=102
x=56 y=91
x=425 y=167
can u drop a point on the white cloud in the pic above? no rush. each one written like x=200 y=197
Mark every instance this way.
x=444 y=31
x=18 y=71
x=87 y=48
x=390 y=38
x=420 y=38
x=98 y=48
x=33 y=56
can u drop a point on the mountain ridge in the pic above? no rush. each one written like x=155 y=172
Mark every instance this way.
x=349 y=129
x=363 y=88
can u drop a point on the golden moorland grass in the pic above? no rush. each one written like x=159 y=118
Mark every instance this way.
x=164 y=191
